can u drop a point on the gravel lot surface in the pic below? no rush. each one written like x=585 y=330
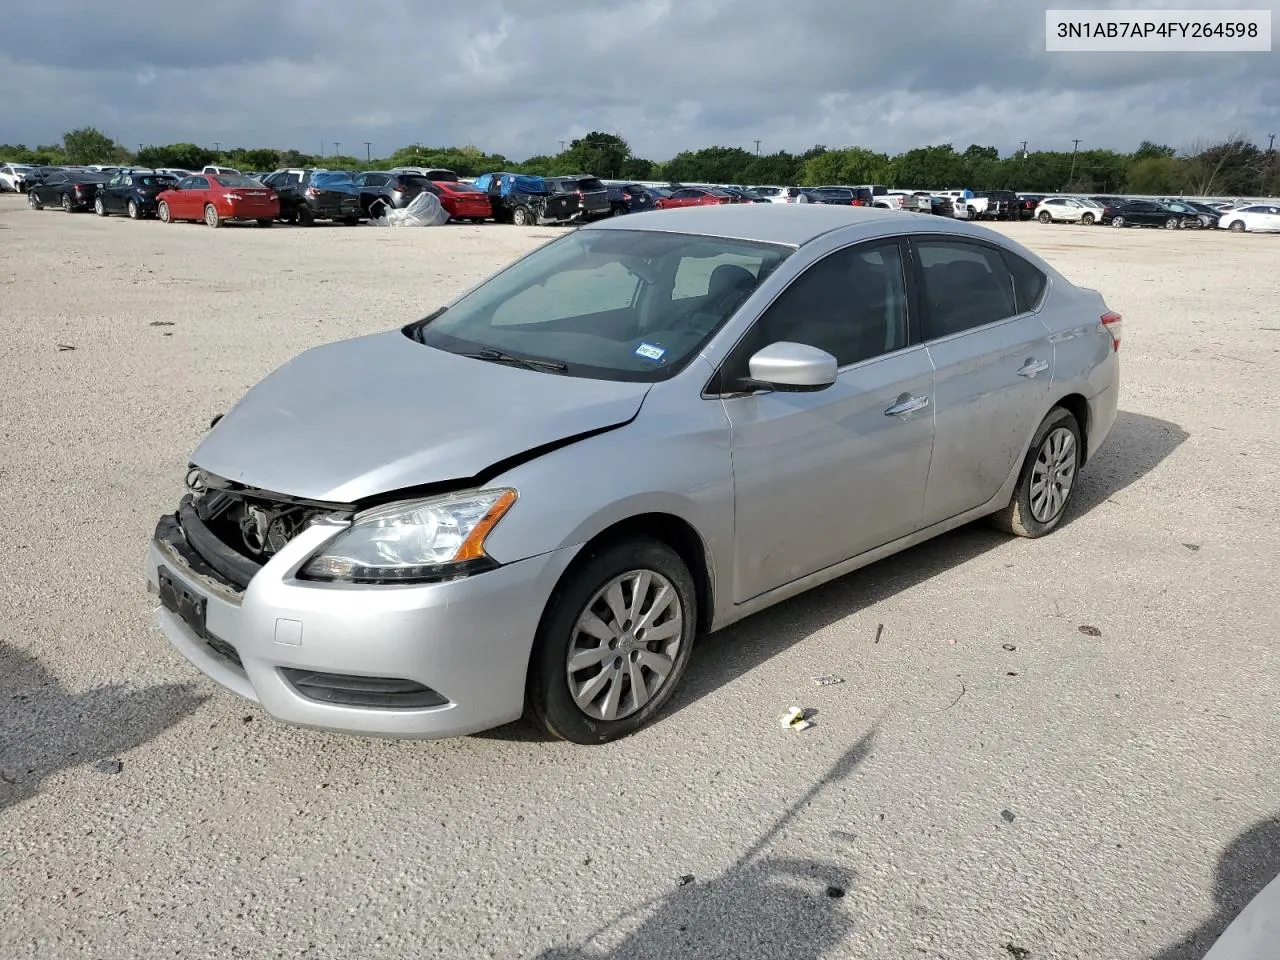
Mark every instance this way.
x=988 y=780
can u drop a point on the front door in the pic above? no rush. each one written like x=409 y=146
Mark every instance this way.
x=821 y=477
x=993 y=361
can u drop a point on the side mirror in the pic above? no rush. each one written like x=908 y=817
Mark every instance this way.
x=791 y=367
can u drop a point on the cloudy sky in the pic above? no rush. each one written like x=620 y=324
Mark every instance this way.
x=516 y=76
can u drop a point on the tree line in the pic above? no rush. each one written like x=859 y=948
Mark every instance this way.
x=1231 y=167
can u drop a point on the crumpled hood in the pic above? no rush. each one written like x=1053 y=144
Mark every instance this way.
x=369 y=416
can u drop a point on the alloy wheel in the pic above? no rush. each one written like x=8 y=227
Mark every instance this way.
x=1053 y=474
x=625 y=644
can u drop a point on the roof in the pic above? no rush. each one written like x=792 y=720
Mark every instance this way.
x=791 y=224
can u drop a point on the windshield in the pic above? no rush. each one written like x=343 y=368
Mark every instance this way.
x=608 y=304
x=235 y=180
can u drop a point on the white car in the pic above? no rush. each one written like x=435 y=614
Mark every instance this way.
x=778 y=194
x=12 y=175
x=1068 y=210
x=1256 y=218
x=231 y=171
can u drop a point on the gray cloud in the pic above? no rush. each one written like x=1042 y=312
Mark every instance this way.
x=516 y=76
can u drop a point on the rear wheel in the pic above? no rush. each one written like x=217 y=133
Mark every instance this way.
x=522 y=216
x=66 y=203
x=211 y=216
x=1044 y=217
x=378 y=209
x=613 y=642
x=162 y=211
x=266 y=222
x=1087 y=219
x=1047 y=480
x=1117 y=221
x=134 y=212
x=1173 y=223
x=306 y=216
x=99 y=207
x=350 y=221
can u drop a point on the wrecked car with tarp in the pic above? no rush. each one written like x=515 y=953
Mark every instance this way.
x=526 y=201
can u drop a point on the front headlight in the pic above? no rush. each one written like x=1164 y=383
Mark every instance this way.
x=435 y=539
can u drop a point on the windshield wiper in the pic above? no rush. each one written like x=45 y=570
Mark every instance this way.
x=528 y=363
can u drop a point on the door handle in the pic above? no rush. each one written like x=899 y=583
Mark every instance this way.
x=906 y=404
x=1033 y=367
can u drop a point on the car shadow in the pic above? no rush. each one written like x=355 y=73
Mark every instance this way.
x=45 y=728
x=1246 y=866
x=1136 y=446
x=761 y=905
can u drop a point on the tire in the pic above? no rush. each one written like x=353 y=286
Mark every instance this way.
x=211 y=216
x=1040 y=501
x=163 y=213
x=1173 y=223
x=1044 y=217
x=1117 y=222
x=1235 y=226
x=549 y=696
x=378 y=209
x=99 y=207
x=522 y=217
x=305 y=216
x=618 y=211
x=350 y=221
x=66 y=203
x=266 y=222
x=1087 y=219
x=134 y=212
x=33 y=201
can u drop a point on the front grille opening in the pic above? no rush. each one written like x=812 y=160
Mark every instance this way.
x=388 y=693
x=223 y=649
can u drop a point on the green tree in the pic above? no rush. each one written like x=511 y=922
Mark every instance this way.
x=930 y=168
x=1148 y=150
x=1155 y=174
x=636 y=168
x=184 y=156
x=850 y=165
x=709 y=165
x=256 y=159
x=597 y=154
x=90 y=145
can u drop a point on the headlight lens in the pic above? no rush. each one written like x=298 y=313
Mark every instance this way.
x=427 y=540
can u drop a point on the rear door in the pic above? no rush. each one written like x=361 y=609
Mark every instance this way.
x=993 y=362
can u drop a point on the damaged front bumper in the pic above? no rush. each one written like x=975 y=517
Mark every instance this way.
x=415 y=661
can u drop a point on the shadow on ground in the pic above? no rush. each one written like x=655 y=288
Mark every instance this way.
x=1137 y=445
x=760 y=906
x=45 y=728
x=1248 y=864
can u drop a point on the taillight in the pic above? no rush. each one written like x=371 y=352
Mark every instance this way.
x=397 y=189
x=312 y=192
x=1114 y=324
x=626 y=196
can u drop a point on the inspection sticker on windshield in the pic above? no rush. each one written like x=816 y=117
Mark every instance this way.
x=650 y=352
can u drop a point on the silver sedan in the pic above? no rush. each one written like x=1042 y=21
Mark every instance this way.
x=537 y=498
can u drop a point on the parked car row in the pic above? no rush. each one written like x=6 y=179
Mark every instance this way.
x=1170 y=213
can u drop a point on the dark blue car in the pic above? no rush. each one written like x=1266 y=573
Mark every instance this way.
x=630 y=198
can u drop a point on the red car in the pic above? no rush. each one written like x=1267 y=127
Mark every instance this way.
x=696 y=197
x=462 y=201
x=218 y=197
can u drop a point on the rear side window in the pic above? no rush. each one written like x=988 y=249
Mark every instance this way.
x=590 y=183
x=1028 y=282
x=966 y=285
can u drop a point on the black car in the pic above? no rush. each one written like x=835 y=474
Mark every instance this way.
x=746 y=196
x=1143 y=213
x=310 y=195
x=942 y=206
x=1206 y=218
x=132 y=192
x=69 y=189
x=841 y=196
x=382 y=190
x=593 y=195
x=630 y=198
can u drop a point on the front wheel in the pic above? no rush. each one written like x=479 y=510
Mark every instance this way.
x=522 y=216
x=1047 y=480
x=1236 y=226
x=211 y=216
x=99 y=207
x=306 y=217
x=1117 y=222
x=33 y=201
x=350 y=221
x=613 y=642
x=1087 y=219
x=162 y=211
x=1044 y=217
x=266 y=222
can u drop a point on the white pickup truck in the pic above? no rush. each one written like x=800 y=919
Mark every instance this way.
x=881 y=197
x=967 y=206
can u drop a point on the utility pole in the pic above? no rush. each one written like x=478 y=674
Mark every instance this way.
x=1024 y=150
x=368 y=151
x=757 y=143
x=336 y=145
x=217 y=146
x=1072 y=175
x=1269 y=166
x=561 y=142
